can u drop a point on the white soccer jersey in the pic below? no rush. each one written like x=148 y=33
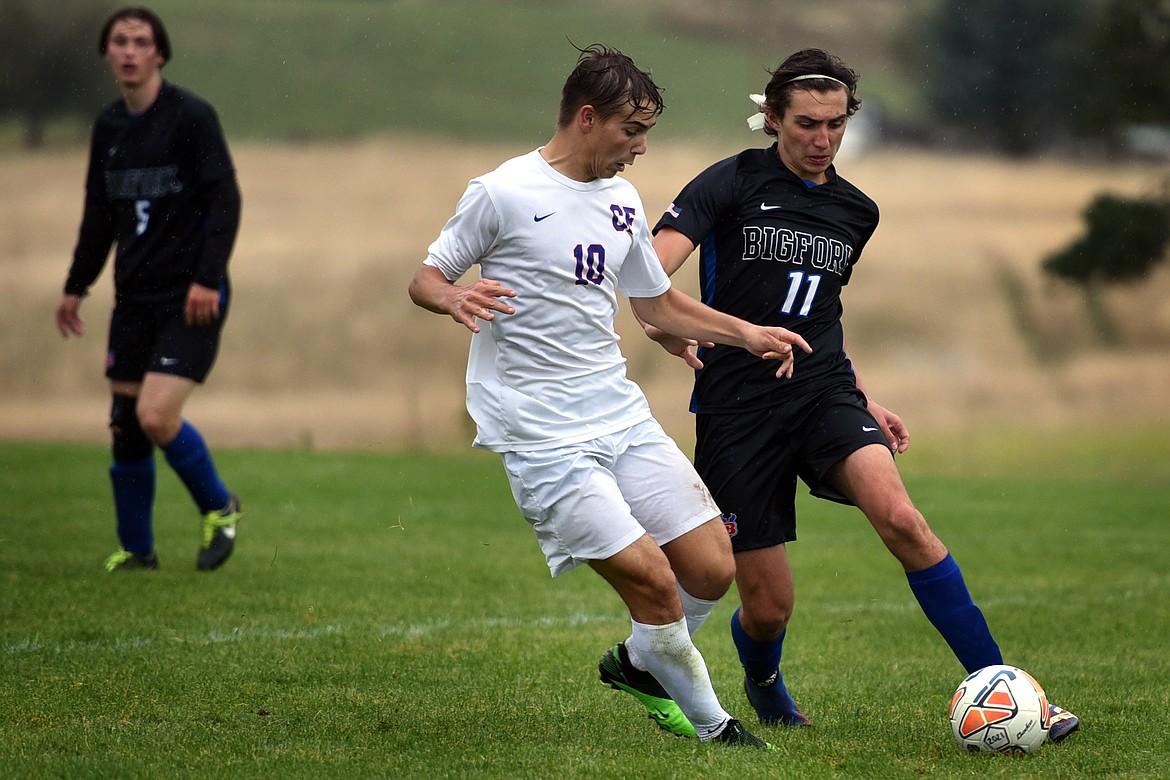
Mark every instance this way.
x=551 y=373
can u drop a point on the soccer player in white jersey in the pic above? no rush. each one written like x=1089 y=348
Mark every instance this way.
x=556 y=232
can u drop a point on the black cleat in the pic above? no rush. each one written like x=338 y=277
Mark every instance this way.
x=735 y=734
x=219 y=535
x=124 y=560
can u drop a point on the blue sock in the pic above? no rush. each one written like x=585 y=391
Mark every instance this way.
x=133 y=483
x=760 y=660
x=943 y=596
x=766 y=690
x=189 y=457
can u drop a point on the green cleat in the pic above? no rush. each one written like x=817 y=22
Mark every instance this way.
x=124 y=560
x=618 y=673
x=219 y=535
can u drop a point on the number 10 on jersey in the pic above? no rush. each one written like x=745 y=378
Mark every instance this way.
x=590 y=263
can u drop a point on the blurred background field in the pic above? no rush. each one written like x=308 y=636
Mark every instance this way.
x=355 y=126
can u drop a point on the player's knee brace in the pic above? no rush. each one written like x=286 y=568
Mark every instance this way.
x=130 y=441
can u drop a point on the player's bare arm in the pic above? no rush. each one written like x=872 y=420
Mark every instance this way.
x=679 y=314
x=463 y=303
x=673 y=249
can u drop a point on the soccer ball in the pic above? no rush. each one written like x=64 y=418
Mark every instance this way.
x=1000 y=709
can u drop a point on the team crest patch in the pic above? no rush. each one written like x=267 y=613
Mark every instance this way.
x=731 y=523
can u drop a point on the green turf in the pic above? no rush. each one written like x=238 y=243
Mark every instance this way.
x=389 y=615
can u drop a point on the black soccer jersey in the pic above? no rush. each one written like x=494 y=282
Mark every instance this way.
x=162 y=185
x=774 y=251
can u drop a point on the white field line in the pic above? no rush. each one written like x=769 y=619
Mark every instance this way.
x=33 y=644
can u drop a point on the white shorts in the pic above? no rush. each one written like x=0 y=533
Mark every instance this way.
x=589 y=501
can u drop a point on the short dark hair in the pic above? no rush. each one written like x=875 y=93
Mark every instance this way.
x=609 y=81
x=162 y=41
x=808 y=62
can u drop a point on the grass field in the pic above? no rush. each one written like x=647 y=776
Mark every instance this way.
x=390 y=616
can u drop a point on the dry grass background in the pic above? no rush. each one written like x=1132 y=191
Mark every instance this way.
x=950 y=322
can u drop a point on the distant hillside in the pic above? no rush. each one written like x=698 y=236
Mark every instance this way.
x=471 y=70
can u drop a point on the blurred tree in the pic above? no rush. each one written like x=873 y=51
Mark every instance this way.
x=49 y=66
x=1002 y=73
x=1131 y=66
x=1124 y=239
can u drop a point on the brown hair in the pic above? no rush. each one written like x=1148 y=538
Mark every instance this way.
x=609 y=81
x=810 y=62
x=162 y=41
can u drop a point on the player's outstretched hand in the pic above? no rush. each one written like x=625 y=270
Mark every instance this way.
x=677 y=346
x=479 y=301
x=777 y=344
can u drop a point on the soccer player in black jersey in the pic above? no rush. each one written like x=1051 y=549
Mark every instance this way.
x=779 y=233
x=161 y=187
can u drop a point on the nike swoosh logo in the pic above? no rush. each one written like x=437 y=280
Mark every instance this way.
x=867 y=429
x=168 y=361
x=538 y=218
x=766 y=207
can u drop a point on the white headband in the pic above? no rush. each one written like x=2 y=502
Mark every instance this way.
x=757 y=121
x=817 y=76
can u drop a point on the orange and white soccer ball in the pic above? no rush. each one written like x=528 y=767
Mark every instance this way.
x=1000 y=709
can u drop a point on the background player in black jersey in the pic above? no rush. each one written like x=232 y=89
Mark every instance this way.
x=780 y=233
x=161 y=184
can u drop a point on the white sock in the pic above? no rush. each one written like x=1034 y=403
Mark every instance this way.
x=671 y=656
x=697 y=610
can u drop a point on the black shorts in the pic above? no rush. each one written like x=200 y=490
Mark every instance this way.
x=750 y=461
x=154 y=337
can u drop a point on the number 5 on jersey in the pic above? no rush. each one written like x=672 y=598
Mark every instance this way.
x=142 y=211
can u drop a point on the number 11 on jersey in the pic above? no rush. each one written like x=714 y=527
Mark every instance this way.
x=796 y=279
